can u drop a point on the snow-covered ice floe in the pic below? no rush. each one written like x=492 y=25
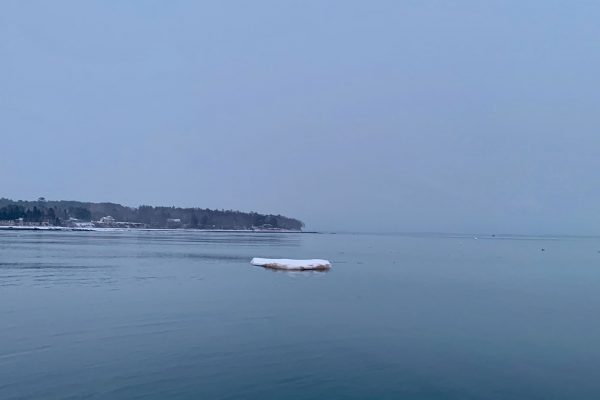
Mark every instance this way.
x=292 y=265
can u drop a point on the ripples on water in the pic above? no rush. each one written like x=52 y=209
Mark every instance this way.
x=91 y=257
x=183 y=315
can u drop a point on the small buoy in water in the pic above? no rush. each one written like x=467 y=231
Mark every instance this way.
x=543 y=249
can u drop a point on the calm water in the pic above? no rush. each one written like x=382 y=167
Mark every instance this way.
x=182 y=315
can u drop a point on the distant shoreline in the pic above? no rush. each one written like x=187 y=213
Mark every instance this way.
x=75 y=229
x=86 y=215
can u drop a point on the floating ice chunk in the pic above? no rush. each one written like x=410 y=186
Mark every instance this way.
x=292 y=265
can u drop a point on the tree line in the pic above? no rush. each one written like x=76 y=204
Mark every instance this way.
x=58 y=212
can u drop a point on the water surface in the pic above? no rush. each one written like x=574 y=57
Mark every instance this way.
x=182 y=315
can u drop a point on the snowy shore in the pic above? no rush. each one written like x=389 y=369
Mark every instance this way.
x=94 y=229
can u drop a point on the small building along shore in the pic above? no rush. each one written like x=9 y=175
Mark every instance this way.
x=110 y=222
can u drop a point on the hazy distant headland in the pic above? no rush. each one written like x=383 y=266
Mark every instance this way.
x=77 y=214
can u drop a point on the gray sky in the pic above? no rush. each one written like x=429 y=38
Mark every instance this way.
x=350 y=115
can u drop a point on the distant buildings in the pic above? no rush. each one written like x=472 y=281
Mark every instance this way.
x=107 y=220
x=77 y=223
x=111 y=222
x=21 y=222
x=11 y=222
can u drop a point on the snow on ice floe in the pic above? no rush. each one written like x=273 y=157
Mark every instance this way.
x=292 y=265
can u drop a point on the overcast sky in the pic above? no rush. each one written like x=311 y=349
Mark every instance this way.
x=458 y=116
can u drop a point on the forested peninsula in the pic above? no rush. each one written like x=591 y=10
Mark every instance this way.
x=42 y=212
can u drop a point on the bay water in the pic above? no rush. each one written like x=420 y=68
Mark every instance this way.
x=183 y=315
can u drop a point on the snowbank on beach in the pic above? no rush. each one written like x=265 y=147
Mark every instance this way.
x=57 y=228
x=40 y=228
x=291 y=265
